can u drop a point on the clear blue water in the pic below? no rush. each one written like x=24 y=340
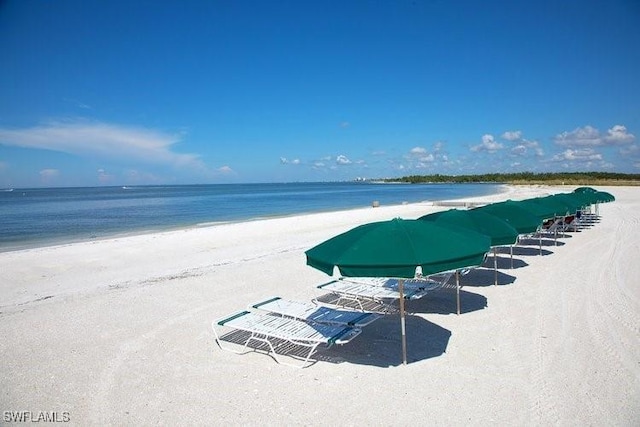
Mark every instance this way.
x=39 y=217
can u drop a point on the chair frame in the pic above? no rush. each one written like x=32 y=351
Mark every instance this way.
x=278 y=331
x=313 y=312
x=378 y=295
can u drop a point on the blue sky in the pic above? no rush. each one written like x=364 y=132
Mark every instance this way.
x=158 y=92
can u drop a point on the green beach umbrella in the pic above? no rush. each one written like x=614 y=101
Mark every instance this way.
x=499 y=231
x=517 y=215
x=588 y=194
x=585 y=190
x=543 y=208
x=595 y=195
x=575 y=201
x=524 y=221
x=560 y=206
x=554 y=208
x=396 y=248
x=604 y=197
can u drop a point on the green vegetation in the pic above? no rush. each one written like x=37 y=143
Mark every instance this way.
x=548 y=178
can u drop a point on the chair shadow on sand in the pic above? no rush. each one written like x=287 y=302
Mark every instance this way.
x=380 y=343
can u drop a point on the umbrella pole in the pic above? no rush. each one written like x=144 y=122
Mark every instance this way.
x=540 y=242
x=458 y=290
x=511 y=250
x=555 y=233
x=402 y=324
x=495 y=266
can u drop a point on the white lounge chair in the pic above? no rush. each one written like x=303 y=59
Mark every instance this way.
x=551 y=227
x=571 y=222
x=376 y=294
x=291 y=337
x=310 y=312
x=416 y=285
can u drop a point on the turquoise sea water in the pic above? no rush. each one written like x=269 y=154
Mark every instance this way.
x=38 y=217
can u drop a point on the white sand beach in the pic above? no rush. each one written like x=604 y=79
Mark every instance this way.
x=118 y=331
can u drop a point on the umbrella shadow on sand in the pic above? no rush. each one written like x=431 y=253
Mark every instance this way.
x=444 y=302
x=521 y=250
x=379 y=343
x=480 y=277
x=536 y=242
x=504 y=263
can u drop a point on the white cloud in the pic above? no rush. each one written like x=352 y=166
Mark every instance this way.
x=525 y=147
x=226 y=170
x=102 y=140
x=589 y=136
x=345 y=125
x=580 y=155
x=619 y=135
x=512 y=135
x=286 y=161
x=421 y=155
x=519 y=150
x=631 y=150
x=342 y=160
x=488 y=144
x=427 y=158
x=586 y=136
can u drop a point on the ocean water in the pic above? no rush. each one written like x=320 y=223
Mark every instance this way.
x=45 y=216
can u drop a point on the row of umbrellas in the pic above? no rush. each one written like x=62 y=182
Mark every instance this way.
x=443 y=241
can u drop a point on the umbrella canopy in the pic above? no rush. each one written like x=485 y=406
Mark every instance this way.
x=395 y=248
x=575 y=201
x=604 y=197
x=560 y=207
x=499 y=231
x=595 y=195
x=543 y=208
x=585 y=190
x=515 y=214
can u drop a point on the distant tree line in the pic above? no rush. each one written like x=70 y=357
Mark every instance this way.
x=528 y=177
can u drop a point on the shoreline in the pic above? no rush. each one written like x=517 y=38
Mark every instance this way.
x=132 y=260
x=67 y=240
